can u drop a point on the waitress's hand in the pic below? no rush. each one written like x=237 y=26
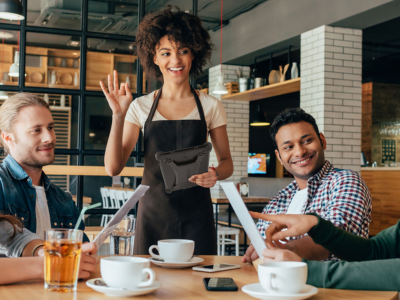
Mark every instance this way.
x=206 y=180
x=118 y=99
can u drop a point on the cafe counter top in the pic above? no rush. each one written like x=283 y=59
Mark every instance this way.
x=367 y=169
x=181 y=284
x=383 y=184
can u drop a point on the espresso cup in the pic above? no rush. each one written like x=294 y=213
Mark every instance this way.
x=173 y=251
x=286 y=277
x=126 y=272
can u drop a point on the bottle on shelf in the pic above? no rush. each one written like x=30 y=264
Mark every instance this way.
x=294 y=73
x=76 y=80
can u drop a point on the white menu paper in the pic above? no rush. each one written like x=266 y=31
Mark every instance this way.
x=244 y=217
x=121 y=213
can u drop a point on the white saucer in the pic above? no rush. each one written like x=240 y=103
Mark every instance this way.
x=256 y=290
x=116 y=292
x=177 y=265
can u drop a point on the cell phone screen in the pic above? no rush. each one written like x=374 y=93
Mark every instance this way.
x=220 y=284
x=217 y=266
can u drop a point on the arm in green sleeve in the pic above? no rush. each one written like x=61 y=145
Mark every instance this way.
x=377 y=275
x=350 y=247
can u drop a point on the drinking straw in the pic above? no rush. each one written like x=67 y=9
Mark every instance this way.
x=83 y=212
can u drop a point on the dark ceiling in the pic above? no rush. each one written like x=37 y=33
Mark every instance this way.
x=381 y=42
x=381 y=52
x=117 y=17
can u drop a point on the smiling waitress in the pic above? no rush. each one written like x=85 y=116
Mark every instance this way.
x=171 y=46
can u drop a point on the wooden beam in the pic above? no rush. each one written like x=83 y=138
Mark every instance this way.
x=286 y=87
x=89 y=171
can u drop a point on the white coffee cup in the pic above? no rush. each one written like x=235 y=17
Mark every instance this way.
x=173 y=251
x=286 y=277
x=126 y=272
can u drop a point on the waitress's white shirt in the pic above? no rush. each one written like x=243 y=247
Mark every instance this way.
x=214 y=111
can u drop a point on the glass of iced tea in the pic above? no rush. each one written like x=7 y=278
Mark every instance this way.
x=62 y=249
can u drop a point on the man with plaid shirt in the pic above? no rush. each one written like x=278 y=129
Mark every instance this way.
x=337 y=195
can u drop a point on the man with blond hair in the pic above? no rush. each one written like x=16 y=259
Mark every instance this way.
x=27 y=135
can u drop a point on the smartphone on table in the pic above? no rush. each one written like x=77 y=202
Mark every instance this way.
x=220 y=284
x=216 y=268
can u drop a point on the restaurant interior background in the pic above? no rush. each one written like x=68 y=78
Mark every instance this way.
x=65 y=47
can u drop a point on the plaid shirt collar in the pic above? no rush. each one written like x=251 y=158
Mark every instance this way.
x=312 y=183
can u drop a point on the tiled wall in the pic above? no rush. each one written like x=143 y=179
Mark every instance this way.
x=237 y=113
x=331 y=90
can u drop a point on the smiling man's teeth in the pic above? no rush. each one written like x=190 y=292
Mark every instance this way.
x=303 y=161
x=176 y=69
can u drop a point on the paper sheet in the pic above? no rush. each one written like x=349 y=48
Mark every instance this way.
x=244 y=217
x=121 y=213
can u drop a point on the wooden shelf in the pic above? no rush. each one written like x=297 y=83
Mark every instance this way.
x=286 y=87
x=64 y=69
x=89 y=170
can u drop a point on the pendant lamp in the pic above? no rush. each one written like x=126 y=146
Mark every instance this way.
x=260 y=119
x=220 y=88
x=14 y=69
x=11 y=10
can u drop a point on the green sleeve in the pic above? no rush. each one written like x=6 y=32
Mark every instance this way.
x=377 y=275
x=350 y=247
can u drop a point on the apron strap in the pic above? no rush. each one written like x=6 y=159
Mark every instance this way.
x=196 y=98
x=199 y=106
x=154 y=106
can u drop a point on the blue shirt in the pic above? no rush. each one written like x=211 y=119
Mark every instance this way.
x=18 y=198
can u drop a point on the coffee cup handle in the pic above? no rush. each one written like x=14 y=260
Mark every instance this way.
x=272 y=276
x=150 y=281
x=153 y=254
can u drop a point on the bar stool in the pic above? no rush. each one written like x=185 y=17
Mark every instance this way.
x=121 y=197
x=107 y=204
x=223 y=240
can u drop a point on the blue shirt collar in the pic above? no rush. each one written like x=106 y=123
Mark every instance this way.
x=18 y=173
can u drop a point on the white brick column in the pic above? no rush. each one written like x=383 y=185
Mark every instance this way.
x=331 y=90
x=237 y=113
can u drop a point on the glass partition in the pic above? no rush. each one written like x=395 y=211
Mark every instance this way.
x=104 y=56
x=55 y=14
x=9 y=57
x=52 y=60
x=118 y=17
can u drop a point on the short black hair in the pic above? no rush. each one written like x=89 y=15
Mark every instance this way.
x=289 y=116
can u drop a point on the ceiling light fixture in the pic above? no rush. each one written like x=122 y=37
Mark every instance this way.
x=11 y=10
x=74 y=41
x=260 y=119
x=14 y=69
x=220 y=88
x=6 y=35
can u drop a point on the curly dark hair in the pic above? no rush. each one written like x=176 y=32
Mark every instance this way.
x=14 y=223
x=289 y=116
x=181 y=28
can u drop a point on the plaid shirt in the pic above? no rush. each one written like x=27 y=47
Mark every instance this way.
x=337 y=195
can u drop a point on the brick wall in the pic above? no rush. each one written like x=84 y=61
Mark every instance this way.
x=237 y=113
x=331 y=89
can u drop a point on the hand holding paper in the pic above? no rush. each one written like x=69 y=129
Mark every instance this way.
x=121 y=213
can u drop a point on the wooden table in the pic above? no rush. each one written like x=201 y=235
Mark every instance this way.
x=85 y=199
x=118 y=188
x=181 y=284
x=220 y=198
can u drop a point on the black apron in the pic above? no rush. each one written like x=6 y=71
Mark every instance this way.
x=183 y=214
